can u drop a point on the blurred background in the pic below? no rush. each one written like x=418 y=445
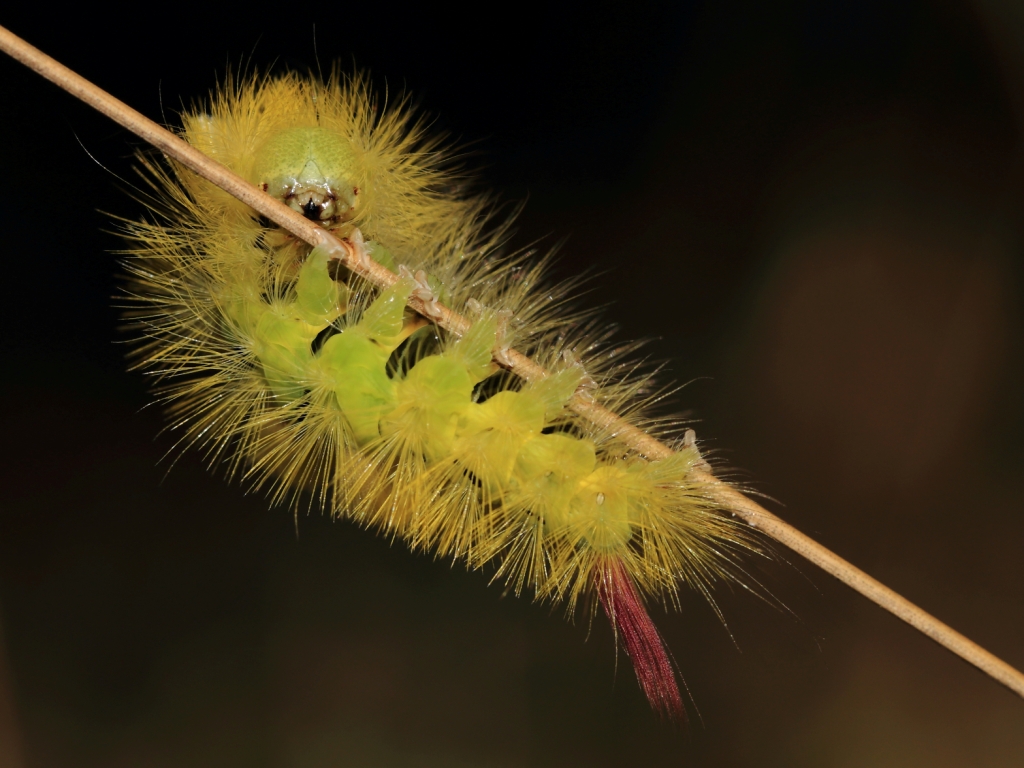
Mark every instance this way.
x=813 y=209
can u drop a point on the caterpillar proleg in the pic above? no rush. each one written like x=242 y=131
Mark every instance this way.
x=934 y=525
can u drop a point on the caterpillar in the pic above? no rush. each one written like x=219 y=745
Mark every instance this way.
x=309 y=383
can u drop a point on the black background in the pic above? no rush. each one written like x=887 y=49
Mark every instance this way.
x=814 y=209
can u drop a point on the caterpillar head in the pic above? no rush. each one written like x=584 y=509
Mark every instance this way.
x=313 y=171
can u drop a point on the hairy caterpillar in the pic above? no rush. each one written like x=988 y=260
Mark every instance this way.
x=304 y=379
x=744 y=711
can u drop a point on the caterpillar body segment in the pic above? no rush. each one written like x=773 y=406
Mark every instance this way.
x=309 y=383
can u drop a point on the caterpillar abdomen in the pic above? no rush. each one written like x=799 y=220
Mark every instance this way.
x=306 y=380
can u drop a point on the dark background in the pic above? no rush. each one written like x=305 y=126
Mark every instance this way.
x=813 y=208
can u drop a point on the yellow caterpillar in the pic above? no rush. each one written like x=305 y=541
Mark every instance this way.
x=306 y=381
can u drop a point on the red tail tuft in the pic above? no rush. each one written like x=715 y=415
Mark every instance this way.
x=651 y=662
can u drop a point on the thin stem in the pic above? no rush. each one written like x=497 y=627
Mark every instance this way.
x=754 y=514
x=872 y=589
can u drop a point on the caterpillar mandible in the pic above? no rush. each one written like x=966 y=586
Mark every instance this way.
x=305 y=380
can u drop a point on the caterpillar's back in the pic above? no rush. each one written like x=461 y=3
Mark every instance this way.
x=304 y=379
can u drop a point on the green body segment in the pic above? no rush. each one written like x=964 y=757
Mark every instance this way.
x=283 y=346
x=429 y=401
